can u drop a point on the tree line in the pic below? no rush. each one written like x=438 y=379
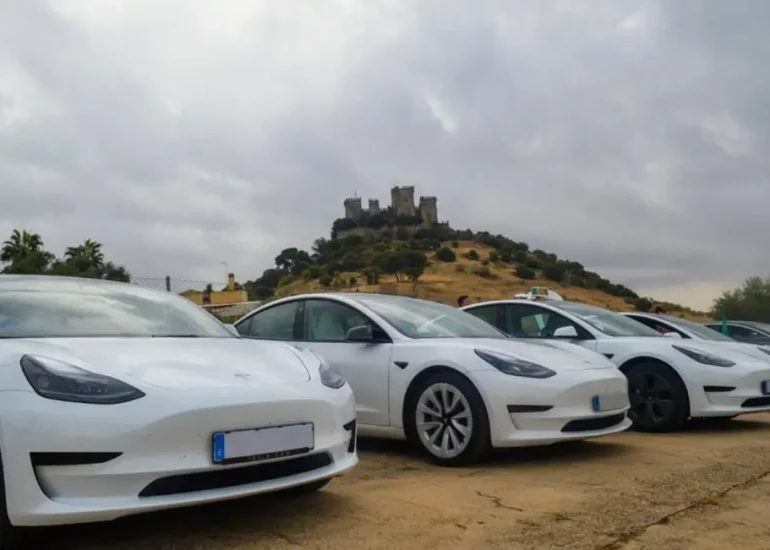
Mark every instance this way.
x=24 y=253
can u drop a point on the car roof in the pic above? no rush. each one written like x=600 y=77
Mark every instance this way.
x=53 y=282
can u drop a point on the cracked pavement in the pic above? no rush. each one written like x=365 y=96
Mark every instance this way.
x=705 y=488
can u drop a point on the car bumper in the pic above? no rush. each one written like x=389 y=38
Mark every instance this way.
x=164 y=460
x=730 y=392
x=516 y=407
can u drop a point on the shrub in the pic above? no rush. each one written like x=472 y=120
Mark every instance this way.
x=554 y=272
x=460 y=268
x=455 y=244
x=484 y=271
x=353 y=281
x=472 y=255
x=445 y=254
x=372 y=275
x=642 y=304
x=494 y=256
x=524 y=272
x=325 y=279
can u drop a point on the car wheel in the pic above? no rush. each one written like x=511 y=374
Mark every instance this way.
x=306 y=489
x=659 y=400
x=448 y=420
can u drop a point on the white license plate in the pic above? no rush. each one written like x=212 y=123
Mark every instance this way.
x=612 y=402
x=765 y=387
x=263 y=443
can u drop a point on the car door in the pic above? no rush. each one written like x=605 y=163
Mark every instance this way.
x=535 y=322
x=365 y=365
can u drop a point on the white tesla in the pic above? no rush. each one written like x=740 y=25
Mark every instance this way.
x=115 y=400
x=446 y=380
x=674 y=327
x=669 y=380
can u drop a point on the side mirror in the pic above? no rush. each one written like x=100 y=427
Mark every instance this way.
x=361 y=333
x=565 y=332
x=232 y=329
x=673 y=334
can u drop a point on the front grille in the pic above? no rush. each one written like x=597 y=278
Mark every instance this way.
x=756 y=402
x=593 y=424
x=220 y=479
x=351 y=427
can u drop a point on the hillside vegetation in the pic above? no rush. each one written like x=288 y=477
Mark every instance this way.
x=441 y=264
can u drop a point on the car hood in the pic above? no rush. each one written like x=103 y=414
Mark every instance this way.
x=179 y=363
x=727 y=350
x=557 y=356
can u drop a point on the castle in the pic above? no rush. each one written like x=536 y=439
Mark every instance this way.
x=401 y=204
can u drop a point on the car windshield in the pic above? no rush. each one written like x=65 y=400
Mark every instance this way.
x=697 y=329
x=608 y=322
x=53 y=309
x=422 y=319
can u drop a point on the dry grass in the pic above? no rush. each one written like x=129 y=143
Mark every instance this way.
x=445 y=282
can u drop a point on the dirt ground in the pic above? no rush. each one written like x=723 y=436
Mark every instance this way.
x=706 y=488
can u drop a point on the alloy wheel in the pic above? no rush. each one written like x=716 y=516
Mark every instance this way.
x=652 y=398
x=444 y=420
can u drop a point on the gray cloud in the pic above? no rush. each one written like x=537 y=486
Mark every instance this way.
x=627 y=135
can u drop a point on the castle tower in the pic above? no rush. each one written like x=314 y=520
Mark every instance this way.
x=374 y=207
x=353 y=208
x=402 y=200
x=429 y=211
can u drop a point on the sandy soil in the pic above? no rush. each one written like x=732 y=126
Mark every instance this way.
x=705 y=488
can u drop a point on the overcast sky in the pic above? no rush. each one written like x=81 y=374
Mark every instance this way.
x=631 y=136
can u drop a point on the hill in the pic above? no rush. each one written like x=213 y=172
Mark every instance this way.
x=439 y=263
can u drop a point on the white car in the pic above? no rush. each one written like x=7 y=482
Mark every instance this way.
x=115 y=400
x=669 y=380
x=674 y=327
x=445 y=380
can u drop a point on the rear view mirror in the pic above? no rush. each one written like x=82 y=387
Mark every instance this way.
x=565 y=332
x=361 y=333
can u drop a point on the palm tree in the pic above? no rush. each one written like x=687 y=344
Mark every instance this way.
x=21 y=245
x=89 y=253
x=24 y=253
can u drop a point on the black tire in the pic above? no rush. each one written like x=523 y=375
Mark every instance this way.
x=477 y=447
x=306 y=489
x=659 y=399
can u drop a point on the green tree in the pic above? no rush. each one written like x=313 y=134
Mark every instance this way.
x=403 y=264
x=642 y=304
x=749 y=302
x=524 y=272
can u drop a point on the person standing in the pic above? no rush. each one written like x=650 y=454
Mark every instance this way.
x=462 y=301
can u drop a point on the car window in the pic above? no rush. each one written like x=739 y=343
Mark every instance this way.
x=274 y=323
x=56 y=309
x=699 y=330
x=527 y=321
x=606 y=321
x=743 y=333
x=328 y=321
x=487 y=313
x=654 y=324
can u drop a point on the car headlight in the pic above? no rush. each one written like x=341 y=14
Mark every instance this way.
x=514 y=365
x=330 y=377
x=61 y=381
x=704 y=358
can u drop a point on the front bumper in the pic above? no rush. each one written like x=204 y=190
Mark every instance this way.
x=729 y=391
x=513 y=404
x=164 y=450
